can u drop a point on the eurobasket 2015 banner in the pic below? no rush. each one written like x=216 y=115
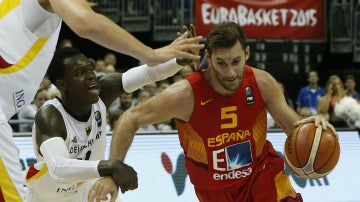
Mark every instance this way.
x=271 y=19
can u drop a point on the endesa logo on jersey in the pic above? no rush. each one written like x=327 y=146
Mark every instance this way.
x=229 y=161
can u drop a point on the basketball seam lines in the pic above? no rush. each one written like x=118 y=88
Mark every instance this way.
x=314 y=150
x=332 y=153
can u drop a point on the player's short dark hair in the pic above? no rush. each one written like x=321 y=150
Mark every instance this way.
x=56 y=68
x=225 y=35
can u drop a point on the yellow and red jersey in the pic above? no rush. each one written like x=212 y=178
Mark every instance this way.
x=225 y=135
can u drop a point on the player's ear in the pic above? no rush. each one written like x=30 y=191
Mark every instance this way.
x=60 y=84
x=207 y=55
x=247 y=52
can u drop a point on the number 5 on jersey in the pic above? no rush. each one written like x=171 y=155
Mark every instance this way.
x=229 y=117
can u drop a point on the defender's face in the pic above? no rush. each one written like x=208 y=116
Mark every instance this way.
x=80 y=80
x=228 y=66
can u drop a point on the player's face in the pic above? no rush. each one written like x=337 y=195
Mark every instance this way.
x=80 y=79
x=228 y=66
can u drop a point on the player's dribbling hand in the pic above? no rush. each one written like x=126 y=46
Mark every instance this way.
x=318 y=120
x=125 y=177
x=102 y=188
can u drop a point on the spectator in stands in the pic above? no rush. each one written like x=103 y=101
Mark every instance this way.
x=350 y=85
x=305 y=112
x=177 y=77
x=51 y=88
x=100 y=68
x=143 y=96
x=309 y=95
x=113 y=117
x=66 y=43
x=110 y=60
x=109 y=69
x=186 y=70
x=100 y=65
x=152 y=88
x=54 y=94
x=29 y=112
x=163 y=85
x=47 y=85
x=334 y=93
x=123 y=102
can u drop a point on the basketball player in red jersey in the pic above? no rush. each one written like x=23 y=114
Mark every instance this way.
x=29 y=31
x=221 y=120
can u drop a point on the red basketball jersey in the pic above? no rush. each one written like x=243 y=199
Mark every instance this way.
x=225 y=135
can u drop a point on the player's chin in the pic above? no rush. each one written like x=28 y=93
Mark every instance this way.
x=231 y=86
x=93 y=99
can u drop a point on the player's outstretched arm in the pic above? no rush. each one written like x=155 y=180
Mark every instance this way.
x=88 y=24
x=176 y=101
x=50 y=136
x=112 y=84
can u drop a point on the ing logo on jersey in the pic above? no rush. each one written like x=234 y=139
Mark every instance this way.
x=238 y=155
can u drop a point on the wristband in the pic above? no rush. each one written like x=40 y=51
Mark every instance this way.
x=139 y=76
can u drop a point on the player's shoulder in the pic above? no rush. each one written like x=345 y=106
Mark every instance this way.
x=47 y=113
x=263 y=77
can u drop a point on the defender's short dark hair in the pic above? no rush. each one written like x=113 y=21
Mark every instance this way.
x=225 y=35
x=56 y=68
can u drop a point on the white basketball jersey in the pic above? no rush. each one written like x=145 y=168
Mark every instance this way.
x=28 y=38
x=85 y=141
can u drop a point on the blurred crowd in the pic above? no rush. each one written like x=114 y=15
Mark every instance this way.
x=314 y=99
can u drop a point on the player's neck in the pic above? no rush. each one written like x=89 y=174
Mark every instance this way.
x=78 y=111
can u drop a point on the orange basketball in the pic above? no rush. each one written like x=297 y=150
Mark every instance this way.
x=311 y=152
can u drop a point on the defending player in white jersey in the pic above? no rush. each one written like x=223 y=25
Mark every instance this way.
x=70 y=133
x=29 y=32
